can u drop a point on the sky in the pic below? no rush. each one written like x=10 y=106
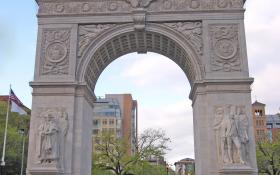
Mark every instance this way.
x=157 y=83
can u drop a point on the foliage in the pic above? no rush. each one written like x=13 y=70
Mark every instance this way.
x=111 y=153
x=14 y=139
x=268 y=157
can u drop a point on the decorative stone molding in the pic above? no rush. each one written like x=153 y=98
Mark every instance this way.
x=50 y=137
x=53 y=7
x=139 y=19
x=225 y=48
x=231 y=128
x=88 y=32
x=140 y=3
x=55 y=52
x=192 y=31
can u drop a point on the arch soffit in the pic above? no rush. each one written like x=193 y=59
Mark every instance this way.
x=194 y=69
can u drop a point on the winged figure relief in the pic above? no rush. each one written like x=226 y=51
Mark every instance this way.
x=139 y=3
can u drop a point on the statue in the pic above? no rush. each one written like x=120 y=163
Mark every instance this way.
x=52 y=133
x=231 y=134
x=48 y=135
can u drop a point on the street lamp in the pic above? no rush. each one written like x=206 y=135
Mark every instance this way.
x=22 y=133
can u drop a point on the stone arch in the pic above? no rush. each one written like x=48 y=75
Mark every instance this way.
x=78 y=39
x=123 y=39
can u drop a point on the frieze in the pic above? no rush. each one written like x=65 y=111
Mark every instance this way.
x=88 y=32
x=55 y=52
x=126 y=6
x=225 y=48
x=192 y=31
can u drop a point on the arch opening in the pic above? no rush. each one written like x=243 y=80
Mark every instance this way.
x=157 y=39
x=173 y=110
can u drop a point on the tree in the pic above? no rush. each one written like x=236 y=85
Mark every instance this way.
x=268 y=157
x=14 y=139
x=111 y=153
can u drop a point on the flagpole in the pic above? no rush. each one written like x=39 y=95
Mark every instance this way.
x=5 y=135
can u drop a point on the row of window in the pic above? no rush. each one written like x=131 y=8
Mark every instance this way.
x=104 y=122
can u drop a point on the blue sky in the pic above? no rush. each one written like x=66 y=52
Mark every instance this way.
x=158 y=84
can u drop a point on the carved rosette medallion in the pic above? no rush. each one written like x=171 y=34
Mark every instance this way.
x=126 y=6
x=231 y=130
x=52 y=129
x=192 y=31
x=55 y=52
x=225 y=49
x=87 y=33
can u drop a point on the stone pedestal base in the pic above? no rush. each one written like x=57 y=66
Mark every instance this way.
x=44 y=171
x=237 y=170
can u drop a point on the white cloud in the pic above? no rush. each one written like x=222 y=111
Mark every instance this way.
x=262 y=20
x=154 y=69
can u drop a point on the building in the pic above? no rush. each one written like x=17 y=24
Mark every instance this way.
x=273 y=126
x=106 y=118
x=185 y=167
x=266 y=127
x=259 y=121
x=117 y=114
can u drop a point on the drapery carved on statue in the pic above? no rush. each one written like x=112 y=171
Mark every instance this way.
x=51 y=135
x=225 y=48
x=55 y=52
x=88 y=32
x=192 y=31
x=231 y=129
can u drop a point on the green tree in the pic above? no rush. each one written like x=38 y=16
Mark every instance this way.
x=14 y=139
x=268 y=157
x=111 y=153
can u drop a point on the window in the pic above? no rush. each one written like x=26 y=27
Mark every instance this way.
x=104 y=122
x=95 y=131
x=95 y=122
x=111 y=121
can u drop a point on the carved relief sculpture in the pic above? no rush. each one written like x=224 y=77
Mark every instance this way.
x=88 y=32
x=192 y=31
x=51 y=135
x=55 y=52
x=225 y=48
x=125 y=6
x=140 y=3
x=231 y=127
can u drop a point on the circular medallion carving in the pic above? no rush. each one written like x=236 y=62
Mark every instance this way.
x=113 y=6
x=225 y=49
x=223 y=3
x=86 y=7
x=167 y=4
x=56 y=52
x=59 y=8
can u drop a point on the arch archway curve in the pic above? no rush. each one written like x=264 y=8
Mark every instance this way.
x=156 y=38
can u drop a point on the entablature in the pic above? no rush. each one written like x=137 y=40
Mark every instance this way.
x=121 y=7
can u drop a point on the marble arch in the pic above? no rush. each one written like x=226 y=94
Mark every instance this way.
x=78 y=39
x=123 y=39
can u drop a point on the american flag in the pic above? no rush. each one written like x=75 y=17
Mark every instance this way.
x=16 y=104
x=14 y=98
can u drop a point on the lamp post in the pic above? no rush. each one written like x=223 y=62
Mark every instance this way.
x=22 y=133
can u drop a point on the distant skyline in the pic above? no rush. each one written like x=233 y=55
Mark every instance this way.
x=157 y=83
